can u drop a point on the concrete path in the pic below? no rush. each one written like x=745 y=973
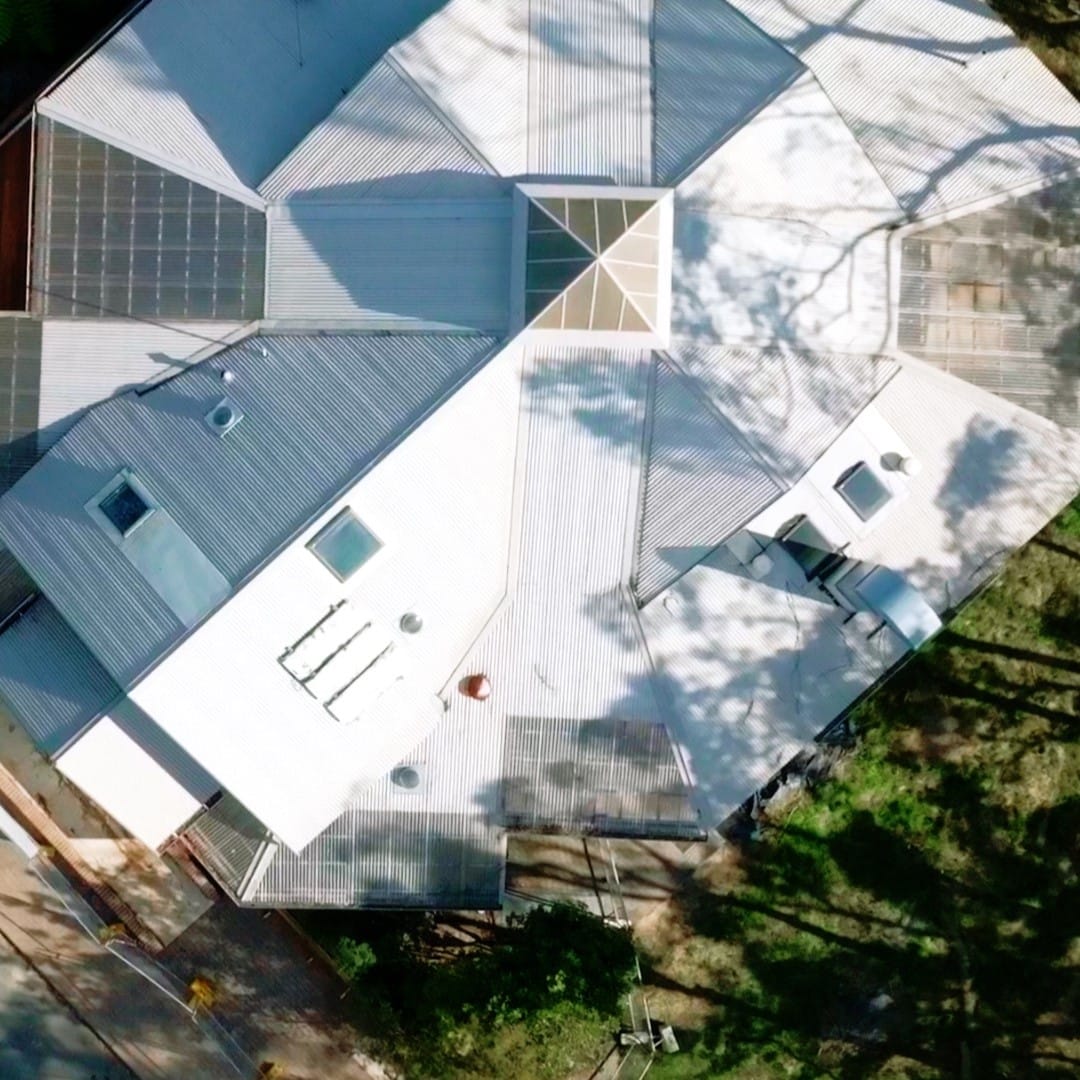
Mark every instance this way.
x=147 y=1031
x=41 y=1038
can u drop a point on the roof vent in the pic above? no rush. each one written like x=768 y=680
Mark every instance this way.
x=408 y=777
x=411 y=623
x=223 y=417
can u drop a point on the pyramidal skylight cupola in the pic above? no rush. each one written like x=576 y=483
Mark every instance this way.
x=592 y=264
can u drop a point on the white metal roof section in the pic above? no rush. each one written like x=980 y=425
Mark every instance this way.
x=384 y=139
x=768 y=282
x=391 y=264
x=992 y=476
x=758 y=660
x=713 y=70
x=148 y=802
x=787 y=406
x=294 y=751
x=779 y=234
x=567 y=646
x=590 y=90
x=86 y=361
x=471 y=59
x=701 y=483
x=221 y=92
x=947 y=103
x=796 y=160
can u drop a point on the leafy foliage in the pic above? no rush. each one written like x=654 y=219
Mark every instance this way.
x=919 y=914
x=27 y=23
x=537 y=998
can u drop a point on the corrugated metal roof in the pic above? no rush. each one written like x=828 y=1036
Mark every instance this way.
x=787 y=406
x=701 y=483
x=991 y=298
x=115 y=235
x=223 y=91
x=382 y=140
x=779 y=281
x=590 y=101
x=318 y=410
x=471 y=59
x=392 y=859
x=392 y=265
x=85 y=361
x=944 y=99
x=713 y=70
x=992 y=476
x=50 y=679
x=228 y=840
x=796 y=159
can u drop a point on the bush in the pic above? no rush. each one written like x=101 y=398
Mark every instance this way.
x=353 y=958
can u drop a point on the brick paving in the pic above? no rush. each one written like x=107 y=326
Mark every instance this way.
x=274 y=993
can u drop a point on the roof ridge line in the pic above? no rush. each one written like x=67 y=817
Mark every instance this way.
x=402 y=72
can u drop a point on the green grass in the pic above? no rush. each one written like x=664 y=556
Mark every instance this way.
x=462 y=1000
x=919 y=914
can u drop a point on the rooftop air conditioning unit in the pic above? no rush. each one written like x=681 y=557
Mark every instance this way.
x=223 y=417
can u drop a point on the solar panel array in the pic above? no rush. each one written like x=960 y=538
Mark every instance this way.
x=990 y=297
x=20 y=381
x=115 y=235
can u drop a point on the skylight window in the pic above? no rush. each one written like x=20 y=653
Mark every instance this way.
x=861 y=489
x=344 y=545
x=121 y=506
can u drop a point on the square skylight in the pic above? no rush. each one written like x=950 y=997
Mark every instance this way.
x=344 y=545
x=863 y=491
x=124 y=508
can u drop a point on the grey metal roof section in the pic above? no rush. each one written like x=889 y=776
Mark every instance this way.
x=318 y=410
x=20 y=390
x=598 y=776
x=224 y=91
x=16 y=585
x=172 y=757
x=228 y=840
x=383 y=139
x=115 y=235
x=701 y=483
x=50 y=679
x=392 y=264
x=788 y=406
x=991 y=298
x=713 y=70
x=391 y=858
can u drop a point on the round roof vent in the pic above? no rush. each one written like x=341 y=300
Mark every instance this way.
x=406 y=777
x=411 y=623
x=223 y=417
